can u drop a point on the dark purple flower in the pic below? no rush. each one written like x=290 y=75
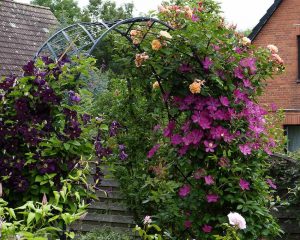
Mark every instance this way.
x=29 y=68
x=113 y=128
x=74 y=97
x=194 y=137
x=123 y=155
x=47 y=166
x=153 y=151
x=8 y=83
x=19 y=183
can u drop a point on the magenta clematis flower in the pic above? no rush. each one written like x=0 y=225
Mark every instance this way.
x=213 y=104
x=187 y=224
x=247 y=83
x=244 y=185
x=207 y=228
x=209 y=180
x=193 y=137
x=205 y=120
x=271 y=184
x=176 y=139
x=212 y=198
x=238 y=73
x=245 y=149
x=186 y=126
x=224 y=101
x=182 y=151
x=153 y=151
x=184 y=190
x=169 y=129
x=239 y=95
x=249 y=63
x=209 y=146
x=219 y=132
x=207 y=63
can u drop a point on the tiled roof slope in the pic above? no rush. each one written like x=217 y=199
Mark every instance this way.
x=265 y=19
x=23 y=29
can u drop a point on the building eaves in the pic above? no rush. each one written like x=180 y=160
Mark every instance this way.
x=263 y=21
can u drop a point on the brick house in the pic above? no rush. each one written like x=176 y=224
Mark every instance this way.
x=23 y=29
x=281 y=26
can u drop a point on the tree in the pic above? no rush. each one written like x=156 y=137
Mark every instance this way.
x=106 y=10
x=66 y=11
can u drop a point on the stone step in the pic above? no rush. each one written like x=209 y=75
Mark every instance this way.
x=108 y=207
x=106 y=219
x=109 y=195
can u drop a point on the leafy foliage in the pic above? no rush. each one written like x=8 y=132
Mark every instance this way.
x=106 y=234
x=191 y=102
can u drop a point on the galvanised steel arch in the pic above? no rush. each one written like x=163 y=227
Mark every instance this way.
x=83 y=38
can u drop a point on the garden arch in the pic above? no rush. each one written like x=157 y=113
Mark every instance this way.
x=85 y=37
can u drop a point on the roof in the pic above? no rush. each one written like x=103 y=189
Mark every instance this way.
x=263 y=21
x=23 y=29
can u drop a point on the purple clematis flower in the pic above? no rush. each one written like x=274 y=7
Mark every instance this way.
x=207 y=228
x=271 y=184
x=209 y=180
x=193 y=137
x=209 y=146
x=245 y=149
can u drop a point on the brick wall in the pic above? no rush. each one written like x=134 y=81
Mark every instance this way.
x=282 y=30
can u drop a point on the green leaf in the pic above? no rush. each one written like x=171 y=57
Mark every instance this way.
x=30 y=217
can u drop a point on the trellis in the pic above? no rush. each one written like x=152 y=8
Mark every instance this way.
x=83 y=38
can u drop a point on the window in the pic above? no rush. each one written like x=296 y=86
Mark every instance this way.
x=293 y=136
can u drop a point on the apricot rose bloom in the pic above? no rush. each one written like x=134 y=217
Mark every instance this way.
x=196 y=86
x=277 y=58
x=140 y=58
x=156 y=45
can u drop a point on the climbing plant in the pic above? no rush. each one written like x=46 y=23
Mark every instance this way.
x=196 y=139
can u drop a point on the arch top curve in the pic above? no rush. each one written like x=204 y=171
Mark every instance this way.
x=84 y=37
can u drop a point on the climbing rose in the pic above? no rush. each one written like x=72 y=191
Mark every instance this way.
x=235 y=219
x=272 y=48
x=155 y=85
x=196 y=86
x=156 y=45
x=277 y=58
x=147 y=220
x=165 y=34
x=140 y=58
x=245 y=41
x=184 y=190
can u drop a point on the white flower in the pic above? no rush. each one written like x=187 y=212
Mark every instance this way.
x=147 y=220
x=165 y=34
x=237 y=220
x=245 y=41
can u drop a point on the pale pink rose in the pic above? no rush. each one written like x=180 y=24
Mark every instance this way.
x=235 y=219
x=272 y=48
x=147 y=220
x=277 y=58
